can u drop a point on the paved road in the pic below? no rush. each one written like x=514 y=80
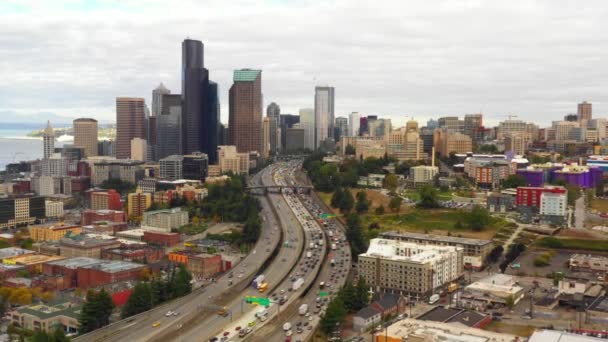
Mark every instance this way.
x=579 y=213
x=213 y=324
x=139 y=327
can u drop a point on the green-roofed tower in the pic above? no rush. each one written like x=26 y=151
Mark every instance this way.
x=245 y=112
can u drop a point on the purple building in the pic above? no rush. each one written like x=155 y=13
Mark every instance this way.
x=534 y=178
x=583 y=177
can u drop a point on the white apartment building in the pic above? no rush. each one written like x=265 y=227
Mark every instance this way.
x=165 y=220
x=553 y=204
x=354 y=122
x=423 y=173
x=231 y=160
x=407 y=267
x=53 y=208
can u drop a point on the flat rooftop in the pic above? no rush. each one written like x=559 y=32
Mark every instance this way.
x=110 y=266
x=446 y=332
x=406 y=251
x=451 y=315
x=11 y=252
x=74 y=263
x=560 y=336
x=439 y=238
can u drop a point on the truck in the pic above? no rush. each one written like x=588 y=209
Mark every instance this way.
x=434 y=299
x=312 y=245
x=333 y=246
x=330 y=233
x=287 y=326
x=452 y=287
x=303 y=309
x=320 y=242
x=333 y=262
x=297 y=284
x=261 y=313
x=263 y=287
x=321 y=285
x=258 y=281
x=309 y=255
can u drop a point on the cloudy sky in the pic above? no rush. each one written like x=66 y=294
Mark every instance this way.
x=397 y=59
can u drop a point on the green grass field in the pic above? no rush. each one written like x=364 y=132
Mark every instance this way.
x=563 y=243
x=442 y=196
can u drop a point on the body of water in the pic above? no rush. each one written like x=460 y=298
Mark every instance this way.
x=15 y=146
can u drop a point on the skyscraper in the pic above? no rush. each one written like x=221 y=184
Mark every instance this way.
x=266 y=137
x=245 y=110
x=157 y=98
x=472 y=124
x=273 y=112
x=130 y=123
x=169 y=127
x=342 y=127
x=307 y=123
x=195 y=84
x=85 y=135
x=324 y=114
x=353 y=124
x=584 y=111
x=211 y=123
x=48 y=141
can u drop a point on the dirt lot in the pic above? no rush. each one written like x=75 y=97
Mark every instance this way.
x=558 y=263
x=600 y=205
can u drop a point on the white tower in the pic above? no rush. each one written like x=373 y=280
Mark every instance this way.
x=48 y=141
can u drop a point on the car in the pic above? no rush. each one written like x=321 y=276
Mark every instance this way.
x=175 y=313
x=309 y=318
x=169 y=313
x=299 y=330
x=251 y=324
x=156 y=324
x=309 y=327
x=288 y=333
x=226 y=333
x=237 y=328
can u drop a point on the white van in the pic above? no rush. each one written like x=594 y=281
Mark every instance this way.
x=287 y=326
x=434 y=299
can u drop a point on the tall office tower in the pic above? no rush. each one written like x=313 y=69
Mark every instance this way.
x=130 y=123
x=245 y=110
x=48 y=141
x=472 y=124
x=584 y=111
x=195 y=84
x=363 y=125
x=287 y=121
x=379 y=127
x=307 y=124
x=211 y=123
x=451 y=123
x=266 y=137
x=273 y=112
x=342 y=127
x=157 y=98
x=516 y=127
x=432 y=124
x=353 y=124
x=169 y=127
x=139 y=149
x=324 y=114
x=152 y=137
x=85 y=135
x=600 y=126
x=571 y=117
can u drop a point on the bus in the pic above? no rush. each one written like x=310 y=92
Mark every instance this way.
x=263 y=287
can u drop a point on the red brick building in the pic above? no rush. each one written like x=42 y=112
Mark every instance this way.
x=134 y=253
x=81 y=183
x=85 y=272
x=89 y=216
x=530 y=196
x=161 y=238
x=110 y=199
x=205 y=265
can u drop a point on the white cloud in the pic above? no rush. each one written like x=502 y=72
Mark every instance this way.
x=392 y=58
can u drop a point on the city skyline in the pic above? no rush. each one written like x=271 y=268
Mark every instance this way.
x=446 y=68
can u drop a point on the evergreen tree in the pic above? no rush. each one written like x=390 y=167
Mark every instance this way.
x=181 y=284
x=139 y=301
x=361 y=295
x=354 y=234
x=347 y=203
x=336 y=198
x=347 y=294
x=428 y=197
x=395 y=203
x=380 y=210
x=96 y=311
x=333 y=315
x=106 y=306
x=362 y=203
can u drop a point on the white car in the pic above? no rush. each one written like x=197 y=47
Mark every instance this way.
x=169 y=313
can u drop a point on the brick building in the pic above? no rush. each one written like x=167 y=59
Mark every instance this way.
x=85 y=247
x=530 y=196
x=83 y=272
x=110 y=199
x=53 y=231
x=89 y=216
x=161 y=238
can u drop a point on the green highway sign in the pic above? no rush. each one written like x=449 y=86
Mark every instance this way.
x=256 y=300
x=328 y=216
x=323 y=294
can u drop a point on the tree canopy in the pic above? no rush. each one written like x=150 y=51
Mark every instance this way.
x=514 y=181
x=428 y=197
x=96 y=311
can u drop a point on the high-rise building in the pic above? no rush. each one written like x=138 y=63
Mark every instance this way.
x=48 y=141
x=199 y=102
x=353 y=123
x=85 y=135
x=273 y=112
x=379 y=127
x=516 y=127
x=472 y=124
x=307 y=123
x=233 y=161
x=211 y=123
x=324 y=114
x=294 y=139
x=266 y=137
x=446 y=141
x=287 y=121
x=245 y=110
x=584 y=111
x=451 y=123
x=18 y=211
x=157 y=98
x=139 y=149
x=169 y=127
x=342 y=127
x=130 y=123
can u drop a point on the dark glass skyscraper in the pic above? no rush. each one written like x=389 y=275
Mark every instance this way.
x=199 y=114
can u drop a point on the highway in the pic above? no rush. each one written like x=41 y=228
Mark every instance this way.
x=334 y=277
x=202 y=301
x=285 y=261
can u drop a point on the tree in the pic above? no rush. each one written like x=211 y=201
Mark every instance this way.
x=349 y=150
x=495 y=254
x=337 y=197
x=428 y=197
x=391 y=182
x=139 y=301
x=479 y=218
x=252 y=228
x=347 y=294
x=514 y=181
x=574 y=192
x=488 y=148
x=182 y=285
x=362 y=205
x=58 y=335
x=395 y=203
x=380 y=210
x=96 y=311
x=354 y=235
x=333 y=315
x=347 y=202
x=361 y=298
